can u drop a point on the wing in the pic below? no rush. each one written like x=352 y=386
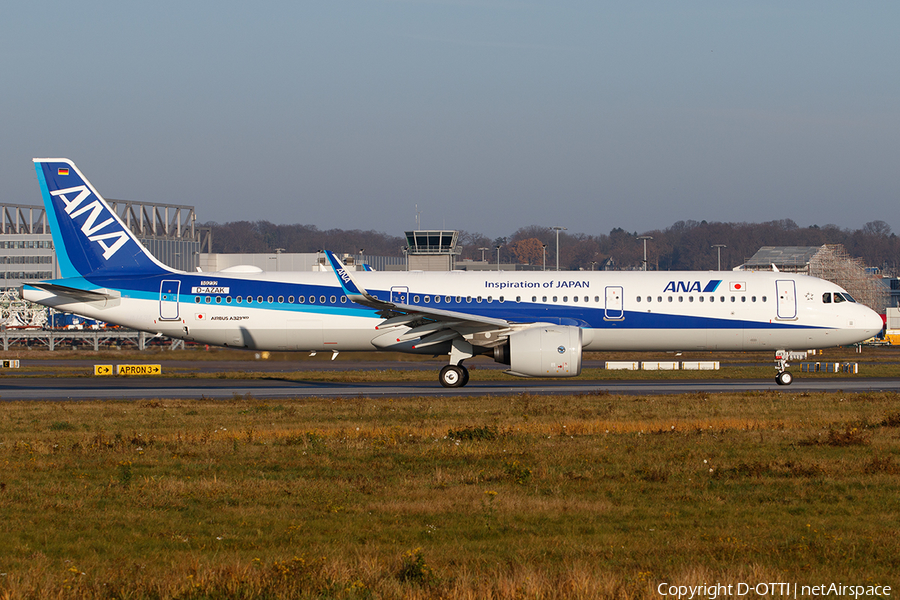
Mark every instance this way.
x=429 y=325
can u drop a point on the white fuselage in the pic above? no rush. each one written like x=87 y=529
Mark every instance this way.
x=615 y=310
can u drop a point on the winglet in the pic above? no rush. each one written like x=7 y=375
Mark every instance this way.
x=351 y=289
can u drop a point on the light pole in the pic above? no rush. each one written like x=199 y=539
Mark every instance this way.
x=557 y=228
x=498 y=256
x=645 y=238
x=545 y=256
x=361 y=252
x=718 y=248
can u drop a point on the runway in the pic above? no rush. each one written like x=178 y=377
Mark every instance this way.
x=63 y=388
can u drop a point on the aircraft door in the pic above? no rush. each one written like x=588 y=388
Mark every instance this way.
x=168 y=299
x=786 y=290
x=400 y=295
x=614 y=309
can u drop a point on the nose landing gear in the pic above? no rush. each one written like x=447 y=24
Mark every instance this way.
x=784 y=376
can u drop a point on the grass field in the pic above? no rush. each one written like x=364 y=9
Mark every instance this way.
x=588 y=496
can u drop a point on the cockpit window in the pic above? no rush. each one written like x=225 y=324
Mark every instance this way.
x=838 y=297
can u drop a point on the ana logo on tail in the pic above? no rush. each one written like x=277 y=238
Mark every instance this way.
x=90 y=226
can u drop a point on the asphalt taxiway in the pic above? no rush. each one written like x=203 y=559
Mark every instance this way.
x=140 y=388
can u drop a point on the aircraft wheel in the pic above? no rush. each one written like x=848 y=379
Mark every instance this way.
x=784 y=378
x=453 y=376
x=465 y=375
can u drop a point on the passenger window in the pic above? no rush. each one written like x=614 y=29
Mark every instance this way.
x=301 y=299
x=743 y=298
x=501 y=298
x=752 y=298
x=490 y=299
x=555 y=298
x=312 y=299
x=333 y=299
x=638 y=298
x=290 y=299
x=343 y=299
x=681 y=298
x=534 y=298
x=259 y=299
x=763 y=298
x=447 y=299
x=458 y=299
x=585 y=298
x=712 y=298
x=733 y=299
x=721 y=298
x=321 y=299
x=227 y=299
x=690 y=298
x=270 y=299
x=575 y=299
x=427 y=299
x=478 y=299
x=238 y=299
x=197 y=299
x=700 y=298
x=670 y=298
x=565 y=298
x=468 y=298
x=544 y=299
x=596 y=298
x=208 y=299
x=249 y=299
x=415 y=299
x=280 y=299
x=659 y=298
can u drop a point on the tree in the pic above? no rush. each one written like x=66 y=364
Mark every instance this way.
x=529 y=251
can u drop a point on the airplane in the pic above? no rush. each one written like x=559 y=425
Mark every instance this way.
x=539 y=323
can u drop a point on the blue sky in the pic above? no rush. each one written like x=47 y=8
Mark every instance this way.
x=488 y=115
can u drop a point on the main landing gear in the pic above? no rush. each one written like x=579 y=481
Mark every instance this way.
x=454 y=376
x=784 y=376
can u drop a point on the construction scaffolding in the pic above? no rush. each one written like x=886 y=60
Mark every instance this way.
x=829 y=262
x=833 y=264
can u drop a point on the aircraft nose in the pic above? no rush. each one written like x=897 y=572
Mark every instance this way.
x=873 y=322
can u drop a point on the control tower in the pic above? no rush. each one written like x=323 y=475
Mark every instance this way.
x=431 y=250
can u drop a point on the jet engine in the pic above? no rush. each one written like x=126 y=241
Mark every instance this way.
x=542 y=351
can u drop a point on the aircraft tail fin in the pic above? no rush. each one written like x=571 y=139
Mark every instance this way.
x=88 y=235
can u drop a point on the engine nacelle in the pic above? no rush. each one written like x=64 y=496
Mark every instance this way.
x=544 y=351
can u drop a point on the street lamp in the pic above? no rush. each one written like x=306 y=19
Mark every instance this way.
x=545 y=256
x=557 y=228
x=645 y=238
x=498 y=256
x=718 y=248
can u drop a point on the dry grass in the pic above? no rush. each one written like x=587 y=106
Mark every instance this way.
x=590 y=496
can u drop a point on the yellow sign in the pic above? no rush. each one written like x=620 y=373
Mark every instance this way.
x=102 y=369
x=139 y=370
